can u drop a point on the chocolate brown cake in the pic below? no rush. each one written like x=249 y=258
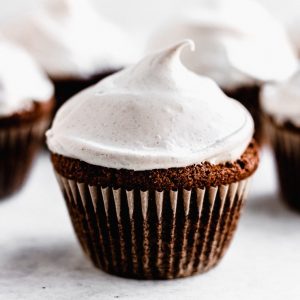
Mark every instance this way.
x=195 y=176
x=159 y=223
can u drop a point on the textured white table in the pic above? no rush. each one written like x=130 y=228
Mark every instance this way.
x=41 y=259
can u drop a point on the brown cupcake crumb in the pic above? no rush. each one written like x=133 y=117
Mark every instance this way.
x=194 y=176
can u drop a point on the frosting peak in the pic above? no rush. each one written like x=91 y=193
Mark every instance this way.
x=235 y=41
x=70 y=39
x=155 y=114
x=163 y=70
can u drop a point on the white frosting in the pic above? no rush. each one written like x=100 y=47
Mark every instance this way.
x=21 y=80
x=238 y=43
x=282 y=100
x=294 y=33
x=69 y=39
x=156 y=114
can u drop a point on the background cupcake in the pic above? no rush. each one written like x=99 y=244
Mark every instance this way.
x=294 y=32
x=281 y=103
x=154 y=163
x=26 y=102
x=73 y=43
x=239 y=44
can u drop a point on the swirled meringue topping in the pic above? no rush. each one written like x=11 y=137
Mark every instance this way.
x=282 y=100
x=70 y=39
x=238 y=43
x=21 y=80
x=294 y=33
x=155 y=114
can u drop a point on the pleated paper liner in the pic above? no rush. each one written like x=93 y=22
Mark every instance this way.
x=286 y=145
x=151 y=234
x=18 y=146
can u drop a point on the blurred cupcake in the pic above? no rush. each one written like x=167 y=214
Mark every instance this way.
x=154 y=166
x=26 y=102
x=281 y=104
x=239 y=45
x=75 y=46
x=294 y=32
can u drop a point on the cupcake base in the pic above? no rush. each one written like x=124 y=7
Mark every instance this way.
x=20 y=138
x=155 y=224
x=152 y=234
x=249 y=97
x=66 y=88
x=286 y=145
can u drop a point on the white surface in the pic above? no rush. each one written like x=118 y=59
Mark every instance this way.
x=41 y=259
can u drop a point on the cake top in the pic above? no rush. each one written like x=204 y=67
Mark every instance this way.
x=282 y=100
x=21 y=80
x=238 y=43
x=71 y=40
x=155 y=114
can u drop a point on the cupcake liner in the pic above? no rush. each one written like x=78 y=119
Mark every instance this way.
x=152 y=234
x=18 y=145
x=286 y=145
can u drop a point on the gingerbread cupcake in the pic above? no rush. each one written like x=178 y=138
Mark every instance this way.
x=281 y=104
x=154 y=164
x=236 y=42
x=74 y=44
x=26 y=103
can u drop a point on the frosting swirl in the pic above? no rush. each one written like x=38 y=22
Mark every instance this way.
x=235 y=41
x=294 y=33
x=282 y=100
x=22 y=84
x=69 y=39
x=155 y=114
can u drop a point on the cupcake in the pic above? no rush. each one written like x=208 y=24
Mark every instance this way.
x=154 y=166
x=281 y=104
x=74 y=45
x=26 y=102
x=235 y=43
